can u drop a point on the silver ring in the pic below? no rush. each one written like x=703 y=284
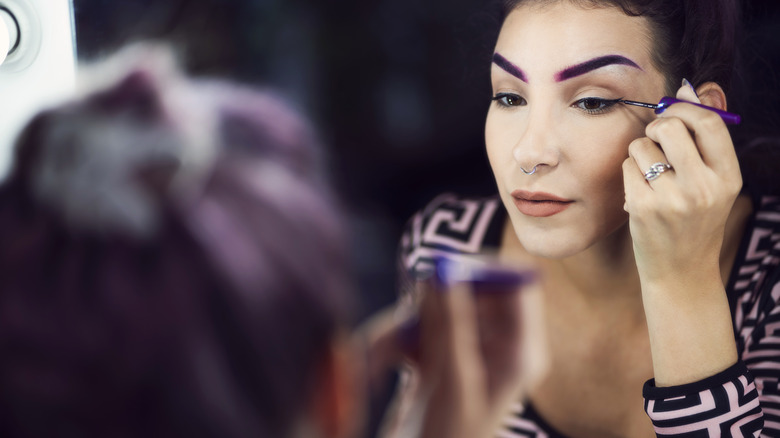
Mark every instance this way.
x=533 y=171
x=656 y=170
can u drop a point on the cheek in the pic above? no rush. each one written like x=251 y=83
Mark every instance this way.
x=601 y=163
x=498 y=142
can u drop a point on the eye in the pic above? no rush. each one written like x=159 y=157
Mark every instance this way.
x=509 y=99
x=595 y=105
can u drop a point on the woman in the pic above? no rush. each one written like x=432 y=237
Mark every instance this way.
x=659 y=282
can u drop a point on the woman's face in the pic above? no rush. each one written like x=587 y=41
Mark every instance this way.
x=553 y=67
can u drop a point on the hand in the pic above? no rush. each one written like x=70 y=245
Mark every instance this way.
x=475 y=358
x=677 y=221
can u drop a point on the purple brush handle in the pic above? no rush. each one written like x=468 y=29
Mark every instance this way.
x=483 y=279
x=729 y=118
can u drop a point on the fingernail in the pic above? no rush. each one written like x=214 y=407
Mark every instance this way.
x=686 y=82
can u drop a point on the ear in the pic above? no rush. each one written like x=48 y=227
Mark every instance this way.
x=711 y=94
x=335 y=404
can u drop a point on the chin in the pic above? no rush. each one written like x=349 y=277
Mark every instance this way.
x=551 y=247
x=568 y=240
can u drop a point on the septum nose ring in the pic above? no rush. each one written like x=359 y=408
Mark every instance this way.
x=533 y=171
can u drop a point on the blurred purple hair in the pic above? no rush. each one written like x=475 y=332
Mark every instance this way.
x=165 y=273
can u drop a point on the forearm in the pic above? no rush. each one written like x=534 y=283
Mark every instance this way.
x=691 y=333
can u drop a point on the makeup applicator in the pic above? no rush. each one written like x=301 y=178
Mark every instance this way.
x=729 y=118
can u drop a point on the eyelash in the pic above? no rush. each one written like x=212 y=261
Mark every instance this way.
x=605 y=105
x=502 y=99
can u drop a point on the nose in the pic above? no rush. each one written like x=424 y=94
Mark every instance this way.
x=536 y=149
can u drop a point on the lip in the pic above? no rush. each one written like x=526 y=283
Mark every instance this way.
x=539 y=204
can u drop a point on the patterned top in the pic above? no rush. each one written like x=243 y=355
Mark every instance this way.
x=743 y=400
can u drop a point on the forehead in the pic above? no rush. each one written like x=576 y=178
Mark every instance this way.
x=544 y=39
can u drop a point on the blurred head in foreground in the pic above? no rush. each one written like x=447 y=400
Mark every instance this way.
x=171 y=266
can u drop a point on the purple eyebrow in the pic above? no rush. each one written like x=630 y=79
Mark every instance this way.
x=509 y=67
x=593 y=64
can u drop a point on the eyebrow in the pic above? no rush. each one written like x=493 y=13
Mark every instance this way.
x=509 y=67
x=593 y=64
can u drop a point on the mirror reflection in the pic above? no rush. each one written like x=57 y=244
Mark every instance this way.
x=389 y=219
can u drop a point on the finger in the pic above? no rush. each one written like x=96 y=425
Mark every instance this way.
x=712 y=139
x=687 y=92
x=461 y=321
x=433 y=338
x=448 y=318
x=646 y=153
x=634 y=184
x=535 y=351
x=676 y=141
x=383 y=344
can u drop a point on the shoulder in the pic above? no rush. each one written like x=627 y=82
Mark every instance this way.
x=756 y=285
x=450 y=225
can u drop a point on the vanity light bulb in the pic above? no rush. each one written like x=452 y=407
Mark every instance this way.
x=5 y=37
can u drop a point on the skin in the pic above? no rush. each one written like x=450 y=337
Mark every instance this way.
x=633 y=271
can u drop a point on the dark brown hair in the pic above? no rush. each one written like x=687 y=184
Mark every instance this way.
x=693 y=39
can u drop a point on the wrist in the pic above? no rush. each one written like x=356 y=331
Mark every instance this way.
x=681 y=282
x=691 y=333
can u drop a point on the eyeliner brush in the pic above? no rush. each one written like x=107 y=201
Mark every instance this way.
x=728 y=118
x=642 y=104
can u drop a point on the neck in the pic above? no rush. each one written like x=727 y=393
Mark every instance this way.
x=603 y=276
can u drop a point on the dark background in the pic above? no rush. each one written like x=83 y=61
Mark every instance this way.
x=398 y=90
